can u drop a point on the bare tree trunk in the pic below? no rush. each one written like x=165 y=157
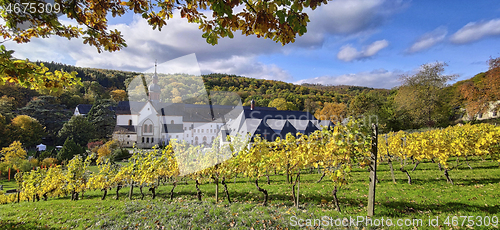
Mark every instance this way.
x=418 y=162
x=466 y=161
x=216 y=180
x=439 y=165
x=198 y=193
x=392 y=171
x=172 y=191
x=142 y=194
x=117 y=190
x=407 y=174
x=225 y=189
x=153 y=191
x=294 y=196
x=321 y=178
x=105 y=193
x=262 y=191
x=336 y=200
x=131 y=191
x=447 y=176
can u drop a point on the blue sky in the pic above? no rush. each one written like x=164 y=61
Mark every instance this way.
x=363 y=42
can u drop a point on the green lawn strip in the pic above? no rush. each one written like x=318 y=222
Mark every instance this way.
x=475 y=193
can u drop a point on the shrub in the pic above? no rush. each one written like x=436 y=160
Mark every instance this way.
x=69 y=149
x=47 y=162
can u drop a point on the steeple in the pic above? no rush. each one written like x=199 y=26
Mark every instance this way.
x=154 y=88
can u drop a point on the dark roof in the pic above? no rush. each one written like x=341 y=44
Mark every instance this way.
x=310 y=128
x=83 y=108
x=277 y=114
x=265 y=132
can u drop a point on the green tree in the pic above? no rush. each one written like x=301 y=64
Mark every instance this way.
x=27 y=130
x=79 y=129
x=69 y=149
x=49 y=113
x=7 y=106
x=422 y=97
x=102 y=118
x=5 y=132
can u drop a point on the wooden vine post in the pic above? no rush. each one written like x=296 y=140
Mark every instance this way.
x=373 y=172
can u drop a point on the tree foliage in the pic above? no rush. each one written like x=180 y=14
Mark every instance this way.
x=69 y=149
x=13 y=153
x=335 y=112
x=421 y=95
x=482 y=89
x=27 y=130
x=103 y=118
x=77 y=128
x=48 y=111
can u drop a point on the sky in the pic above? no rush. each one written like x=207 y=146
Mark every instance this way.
x=349 y=42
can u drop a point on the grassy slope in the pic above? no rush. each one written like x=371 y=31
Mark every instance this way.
x=475 y=193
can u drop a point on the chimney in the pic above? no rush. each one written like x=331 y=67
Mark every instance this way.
x=252 y=104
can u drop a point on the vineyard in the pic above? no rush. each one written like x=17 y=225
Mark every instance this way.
x=334 y=154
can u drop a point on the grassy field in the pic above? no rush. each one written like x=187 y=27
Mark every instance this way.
x=475 y=193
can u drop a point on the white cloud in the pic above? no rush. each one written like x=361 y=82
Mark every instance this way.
x=348 y=53
x=474 y=31
x=379 y=78
x=428 y=40
x=343 y=17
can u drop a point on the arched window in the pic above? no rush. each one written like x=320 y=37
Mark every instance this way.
x=130 y=122
x=147 y=140
x=150 y=128
x=205 y=139
x=172 y=122
x=196 y=140
x=145 y=128
x=142 y=139
x=212 y=139
x=152 y=140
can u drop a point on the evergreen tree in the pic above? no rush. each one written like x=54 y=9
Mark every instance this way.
x=79 y=129
x=103 y=118
x=69 y=149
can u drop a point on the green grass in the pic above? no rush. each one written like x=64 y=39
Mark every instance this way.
x=474 y=193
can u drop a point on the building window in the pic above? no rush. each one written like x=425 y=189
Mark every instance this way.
x=147 y=140
x=150 y=128
x=205 y=139
x=480 y=115
x=172 y=122
x=194 y=130
x=152 y=140
x=202 y=130
x=145 y=128
x=185 y=128
x=212 y=139
x=494 y=113
x=130 y=122
x=196 y=140
x=142 y=139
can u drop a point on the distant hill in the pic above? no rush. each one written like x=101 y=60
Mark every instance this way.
x=261 y=90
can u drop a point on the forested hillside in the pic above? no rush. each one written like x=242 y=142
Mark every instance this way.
x=422 y=100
